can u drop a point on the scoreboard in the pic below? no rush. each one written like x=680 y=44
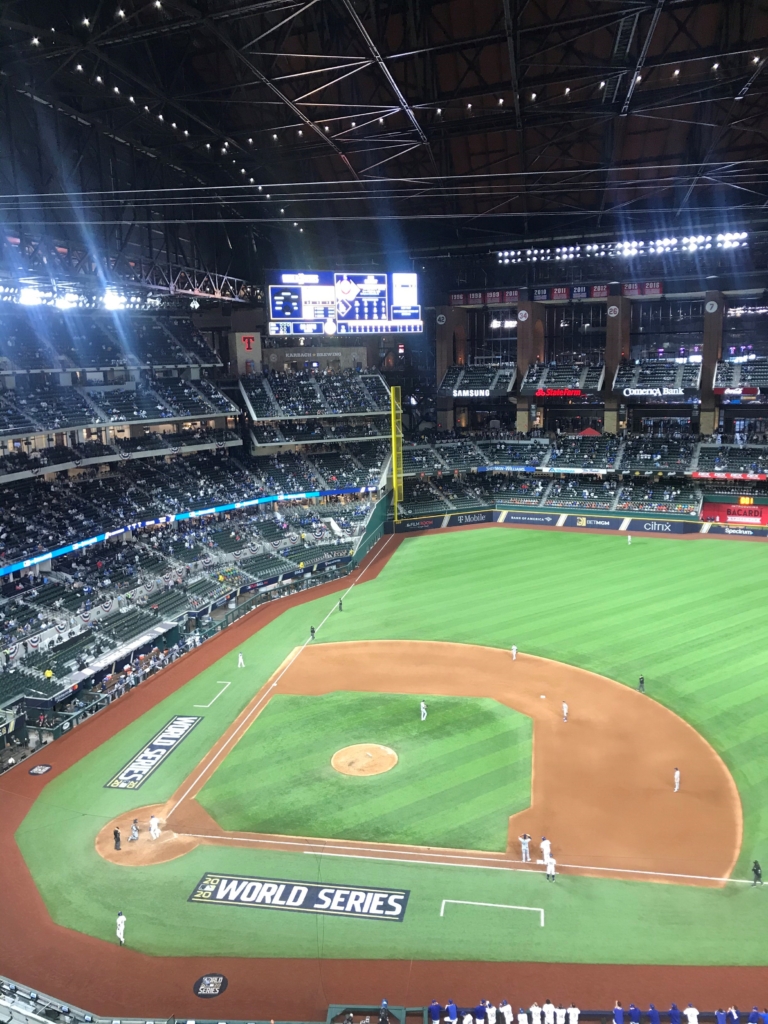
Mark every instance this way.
x=334 y=302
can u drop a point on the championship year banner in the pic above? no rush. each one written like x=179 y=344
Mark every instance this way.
x=374 y=903
x=135 y=773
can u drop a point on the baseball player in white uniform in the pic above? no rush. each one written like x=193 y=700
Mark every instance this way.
x=565 y=712
x=573 y=1014
x=560 y=1014
x=525 y=849
x=677 y=780
x=551 y=862
x=546 y=850
x=240 y=661
x=506 y=1011
x=514 y=653
x=154 y=827
x=423 y=709
x=490 y=1012
x=535 y=1013
x=548 y=1009
x=120 y=927
x=522 y=1017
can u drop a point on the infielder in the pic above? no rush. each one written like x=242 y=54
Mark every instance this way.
x=154 y=827
x=514 y=653
x=525 y=849
x=240 y=662
x=546 y=851
x=677 y=780
x=565 y=712
x=423 y=708
x=120 y=927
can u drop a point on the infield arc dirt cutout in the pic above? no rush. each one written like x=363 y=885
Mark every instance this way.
x=602 y=782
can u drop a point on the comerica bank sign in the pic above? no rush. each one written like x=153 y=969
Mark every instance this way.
x=653 y=392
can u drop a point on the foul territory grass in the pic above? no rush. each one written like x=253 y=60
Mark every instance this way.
x=688 y=615
x=460 y=774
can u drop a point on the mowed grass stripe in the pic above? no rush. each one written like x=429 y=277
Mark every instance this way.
x=463 y=772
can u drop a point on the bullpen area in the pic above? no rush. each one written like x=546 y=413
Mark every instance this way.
x=339 y=818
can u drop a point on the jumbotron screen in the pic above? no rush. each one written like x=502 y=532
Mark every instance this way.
x=335 y=302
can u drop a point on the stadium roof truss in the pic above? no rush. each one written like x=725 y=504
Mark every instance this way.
x=457 y=120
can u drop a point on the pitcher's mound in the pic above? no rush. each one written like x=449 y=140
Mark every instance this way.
x=364 y=759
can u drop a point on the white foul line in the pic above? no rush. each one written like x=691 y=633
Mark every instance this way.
x=217 y=755
x=502 y=906
x=293 y=658
x=219 y=683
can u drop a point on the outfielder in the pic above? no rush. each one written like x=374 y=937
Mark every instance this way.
x=423 y=708
x=629 y=540
x=565 y=712
x=154 y=827
x=525 y=847
x=677 y=780
x=240 y=662
x=120 y=927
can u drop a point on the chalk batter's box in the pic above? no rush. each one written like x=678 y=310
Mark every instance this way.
x=375 y=904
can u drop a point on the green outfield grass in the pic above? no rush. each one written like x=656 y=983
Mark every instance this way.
x=689 y=615
x=459 y=775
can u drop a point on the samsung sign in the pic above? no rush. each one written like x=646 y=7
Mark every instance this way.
x=374 y=903
x=471 y=392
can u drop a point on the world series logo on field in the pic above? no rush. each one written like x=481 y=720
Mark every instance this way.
x=377 y=904
x=134 y=774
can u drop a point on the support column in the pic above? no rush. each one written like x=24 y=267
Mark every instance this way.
x=711 y=351
x=530 y=349
x=450 y=339
x=617 y=347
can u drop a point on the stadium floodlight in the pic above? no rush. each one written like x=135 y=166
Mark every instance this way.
x=30 y=297
x=509 y=324
x=66 y=301
x=113 y=300
x=495 y=324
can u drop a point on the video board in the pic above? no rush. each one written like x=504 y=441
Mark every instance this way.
x=336 y=302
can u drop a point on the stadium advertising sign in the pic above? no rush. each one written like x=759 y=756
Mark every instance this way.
x=700 y=474
x=375 y=904
x=737 y=531
x=742 y=391
x=471 y=393
x=662 y=526
x=560 y=393
x=593 y=522
x=471 y=518
x=421 y=524
x=662 y=392
x=134 y=774
x=529 y=518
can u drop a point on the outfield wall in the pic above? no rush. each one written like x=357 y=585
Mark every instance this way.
x=577 y=520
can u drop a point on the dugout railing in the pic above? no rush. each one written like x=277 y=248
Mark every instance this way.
x=20 y=1004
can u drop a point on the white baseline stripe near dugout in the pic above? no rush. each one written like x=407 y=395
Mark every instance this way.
x=500 y=906
x=218 y=683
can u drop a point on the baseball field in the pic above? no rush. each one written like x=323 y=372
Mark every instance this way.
x=309 y=815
